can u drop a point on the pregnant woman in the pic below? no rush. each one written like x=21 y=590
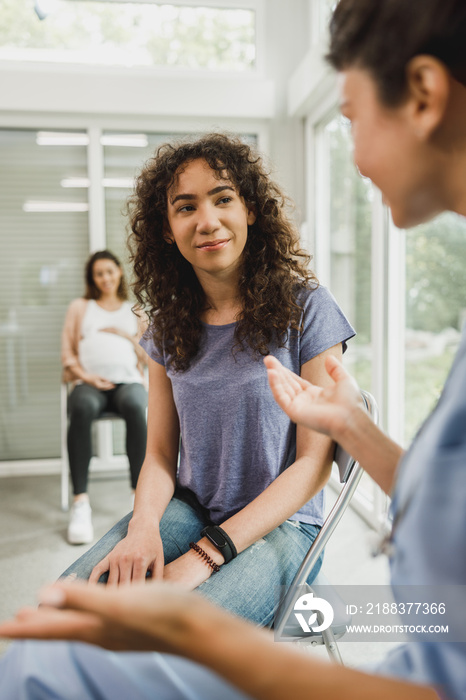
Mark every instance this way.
x=103 y=360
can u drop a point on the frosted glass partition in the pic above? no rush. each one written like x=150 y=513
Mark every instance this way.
x=44 y=243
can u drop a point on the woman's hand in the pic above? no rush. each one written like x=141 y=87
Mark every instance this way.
x=98 y=382
x=128 y=618
x=118 y=331
x=132 y=558
x=327 y=410
x=133 y=339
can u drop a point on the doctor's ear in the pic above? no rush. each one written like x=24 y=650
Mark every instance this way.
x=429 y=90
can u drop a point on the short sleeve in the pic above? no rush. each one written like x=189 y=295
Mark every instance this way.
x=324 y=323
x=147 y=342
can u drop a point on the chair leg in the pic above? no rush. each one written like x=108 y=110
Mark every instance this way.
x=332 y=646
x=65 y=467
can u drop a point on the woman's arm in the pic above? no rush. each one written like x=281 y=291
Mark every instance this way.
x=71 y=334
x=141 y=550
x=337 y=410
x=133 y=339
x=286 y=494
x=164 y=618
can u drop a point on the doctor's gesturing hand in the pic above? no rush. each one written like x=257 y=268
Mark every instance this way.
x=338 y=411
x=328 y=410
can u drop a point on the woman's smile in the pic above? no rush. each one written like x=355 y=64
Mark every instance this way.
x=218 y=244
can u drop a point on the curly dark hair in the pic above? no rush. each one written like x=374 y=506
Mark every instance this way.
x=273 y=269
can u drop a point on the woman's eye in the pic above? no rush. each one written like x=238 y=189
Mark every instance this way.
x=187 y=207
x=224 y=200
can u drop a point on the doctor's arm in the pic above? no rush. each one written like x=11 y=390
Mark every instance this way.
x=167 y=619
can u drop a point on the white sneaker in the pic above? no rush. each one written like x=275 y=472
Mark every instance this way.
x=80 y=530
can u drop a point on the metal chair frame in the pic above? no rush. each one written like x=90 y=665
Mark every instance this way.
x=350 y=472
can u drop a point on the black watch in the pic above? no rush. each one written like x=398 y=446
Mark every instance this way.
x=221 y=541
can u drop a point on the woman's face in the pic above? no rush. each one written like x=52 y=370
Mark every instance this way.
x=208 y=220
x=388 y=150
x=107 y=276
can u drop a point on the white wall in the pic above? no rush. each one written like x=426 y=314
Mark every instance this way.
x=287 y=42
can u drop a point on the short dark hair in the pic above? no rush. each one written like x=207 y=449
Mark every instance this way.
x=382 y=36
x=91 y=290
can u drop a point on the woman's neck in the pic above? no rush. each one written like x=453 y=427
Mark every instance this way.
x=109 y=302
x=223 y=303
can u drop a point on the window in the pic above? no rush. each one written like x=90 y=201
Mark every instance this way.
x=344 y=205
x=128 y=34
x=345 y=231
x=435 y=312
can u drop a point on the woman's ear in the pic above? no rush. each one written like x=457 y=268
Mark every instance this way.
x=168 y=235
x=429 y=90
x=252 y=216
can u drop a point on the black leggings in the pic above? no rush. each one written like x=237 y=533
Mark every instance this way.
x=85 y=404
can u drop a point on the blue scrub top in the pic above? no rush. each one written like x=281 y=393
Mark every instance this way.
x=429 y=538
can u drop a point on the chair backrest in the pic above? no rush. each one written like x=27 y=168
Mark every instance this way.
x=350 y=472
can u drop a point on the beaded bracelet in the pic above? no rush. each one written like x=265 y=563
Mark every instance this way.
x=208 y=560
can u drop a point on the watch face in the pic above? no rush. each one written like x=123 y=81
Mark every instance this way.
x=216 y=537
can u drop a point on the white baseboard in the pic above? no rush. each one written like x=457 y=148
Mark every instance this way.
x=45 y=467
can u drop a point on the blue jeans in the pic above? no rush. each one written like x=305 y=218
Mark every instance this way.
x=248 y=586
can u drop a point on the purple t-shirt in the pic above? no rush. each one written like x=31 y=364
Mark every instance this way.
x=235 y=440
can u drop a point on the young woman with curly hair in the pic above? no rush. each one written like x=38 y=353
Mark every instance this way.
x=220 y=273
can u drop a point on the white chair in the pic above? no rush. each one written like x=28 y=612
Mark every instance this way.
x=105 y=443
x=286 y=626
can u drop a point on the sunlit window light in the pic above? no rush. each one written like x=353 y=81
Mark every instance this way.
x=62 y=138
x=54 y=207
x=84 y=182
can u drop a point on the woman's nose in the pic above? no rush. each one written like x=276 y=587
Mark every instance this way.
x=207 y=221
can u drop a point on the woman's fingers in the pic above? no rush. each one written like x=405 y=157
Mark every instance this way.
x=101 y=568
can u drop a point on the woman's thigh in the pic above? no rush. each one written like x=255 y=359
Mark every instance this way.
x=82 y=567
x=128 y=399
x=250 y=586
x=85 y=401
x=179 y=525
